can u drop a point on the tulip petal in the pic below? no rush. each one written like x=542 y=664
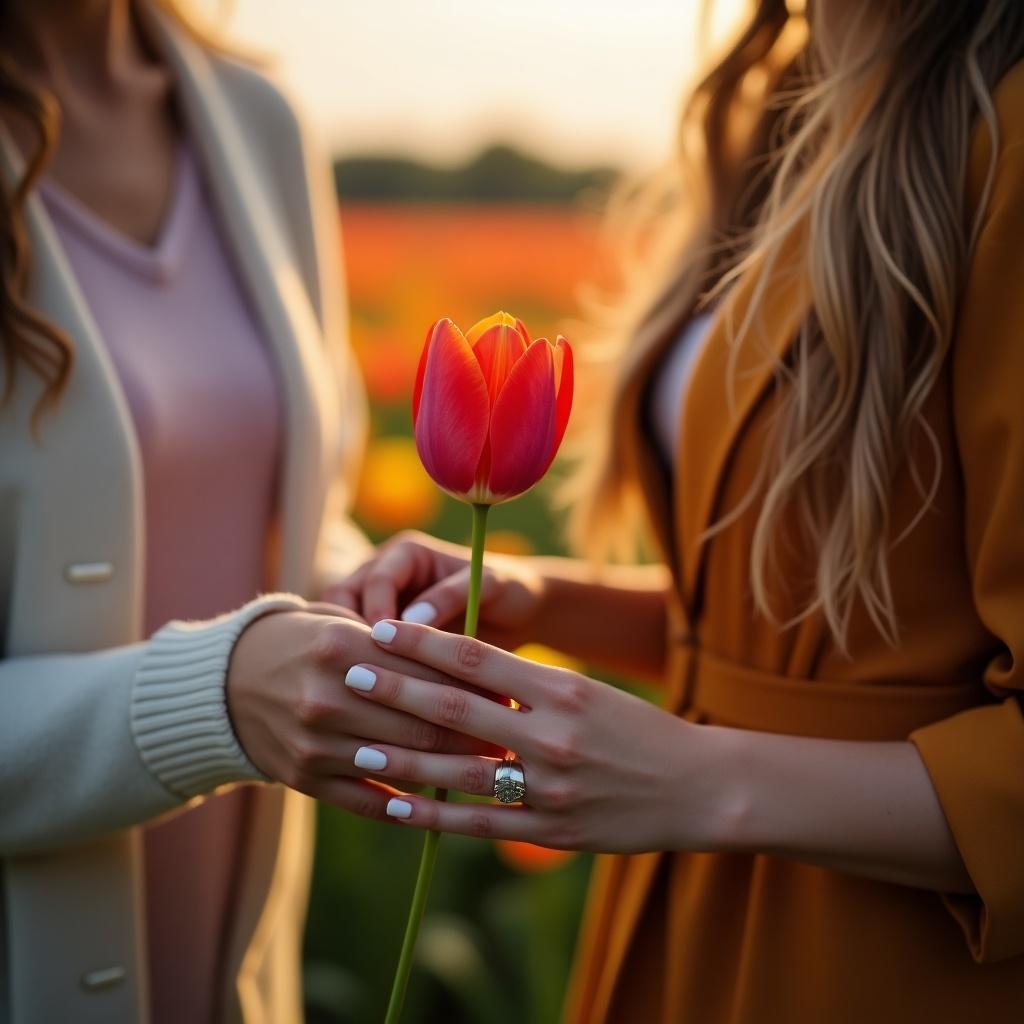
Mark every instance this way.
x=563 y=385
x=417 y=388
x=494 y=320
x=452 y=412
x=497 y=350
x=521 y=328
x=523 y=424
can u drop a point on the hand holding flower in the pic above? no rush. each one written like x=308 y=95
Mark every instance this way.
x=422 y=579
x=298 y=726
x=489 y=411
x=605 y=770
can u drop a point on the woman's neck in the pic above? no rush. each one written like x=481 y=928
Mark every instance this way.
x=115 y=150
x=74 y=45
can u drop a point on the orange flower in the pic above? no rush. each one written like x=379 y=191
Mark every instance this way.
x=490 y=407
x=508 y=542
x=527 y=857
x=394 y=492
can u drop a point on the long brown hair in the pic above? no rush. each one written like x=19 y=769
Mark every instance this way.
x=26 y=338
x=866 y=147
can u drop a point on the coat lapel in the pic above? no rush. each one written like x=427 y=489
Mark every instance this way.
x=710 y=430
x=654 y=481
x=670 y=312
x=268 y=270
x=720 y=400
x=86 y=477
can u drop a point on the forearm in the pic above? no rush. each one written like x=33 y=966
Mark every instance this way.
x=90 y=743
x=69 y=766
x=614 y=619
x=865 y=808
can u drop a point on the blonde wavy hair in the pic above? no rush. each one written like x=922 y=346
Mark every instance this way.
x=860 y=134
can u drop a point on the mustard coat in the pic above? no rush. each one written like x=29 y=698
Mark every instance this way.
x=729 y=938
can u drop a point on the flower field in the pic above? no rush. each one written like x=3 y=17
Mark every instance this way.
x=498 y=934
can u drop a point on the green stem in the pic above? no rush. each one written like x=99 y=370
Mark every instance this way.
x=429 y=854
x=412 y=926
x=476 y=568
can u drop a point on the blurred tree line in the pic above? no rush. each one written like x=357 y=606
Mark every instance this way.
x=498 y=174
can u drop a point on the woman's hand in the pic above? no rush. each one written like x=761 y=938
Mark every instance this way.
x=426 y=581
x=297 y=722
x=616 y=618
x=604 y=770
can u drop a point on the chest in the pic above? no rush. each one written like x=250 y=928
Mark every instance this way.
x=116 y=151
x=71 y=482
x=666 y=392
x=706 y=514
x=190 y=355
x=941 y=639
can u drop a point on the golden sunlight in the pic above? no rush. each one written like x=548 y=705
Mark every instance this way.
x=576 y=81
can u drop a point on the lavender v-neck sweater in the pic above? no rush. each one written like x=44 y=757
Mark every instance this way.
x=203 y=394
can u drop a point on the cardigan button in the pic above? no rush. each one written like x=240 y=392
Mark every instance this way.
x=89 y=572
x=104 y=977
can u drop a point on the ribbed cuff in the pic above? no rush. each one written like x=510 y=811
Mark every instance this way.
x=178 y=712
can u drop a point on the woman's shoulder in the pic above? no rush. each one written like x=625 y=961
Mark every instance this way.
x=291 y=170
x=226 y=76
x=259 y=101
x=1008 y=110
x=988 y=357
x=1009 y=90
x=286 y=159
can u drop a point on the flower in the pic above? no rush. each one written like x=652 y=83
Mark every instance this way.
x=527 y=857
x=508 y=542
x=549 y=656
x=393 y=491
x=490 y=407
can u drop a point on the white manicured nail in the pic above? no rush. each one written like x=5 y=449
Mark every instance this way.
x=383 y=632
x=360 y=678
x=399 y=808
x=422 y=612
x=370 y=759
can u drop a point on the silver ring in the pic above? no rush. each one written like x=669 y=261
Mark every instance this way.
x=509 y=781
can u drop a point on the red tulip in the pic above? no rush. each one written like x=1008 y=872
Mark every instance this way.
x=490 y=407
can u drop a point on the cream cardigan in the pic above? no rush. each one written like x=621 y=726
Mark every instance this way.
x=98 y=731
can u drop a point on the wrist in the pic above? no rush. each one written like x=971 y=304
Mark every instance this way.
x=614 y=617
x=179 y=715
x=711 y=794
x=541 y=626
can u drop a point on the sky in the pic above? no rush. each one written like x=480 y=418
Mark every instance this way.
x=574 y=81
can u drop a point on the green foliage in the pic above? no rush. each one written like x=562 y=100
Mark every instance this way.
x=498 y=174
x=495 y=944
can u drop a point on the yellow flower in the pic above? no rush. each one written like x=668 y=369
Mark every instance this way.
x=394 y=491
x=548 y=656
